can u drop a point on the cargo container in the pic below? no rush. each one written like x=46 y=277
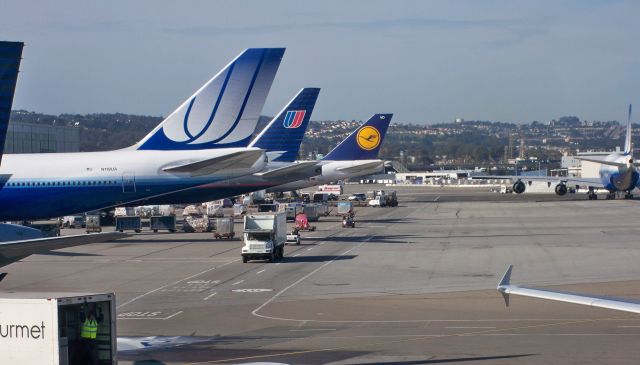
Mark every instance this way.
x=128 y=223
x=293 y=209
x=93 y=224
x=224 y=228
x=312 y=211
x=264 y=236
x=44 y=328
x=344 y=208
x=162 y=223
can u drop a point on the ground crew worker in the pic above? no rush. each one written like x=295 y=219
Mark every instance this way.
x=88 y=336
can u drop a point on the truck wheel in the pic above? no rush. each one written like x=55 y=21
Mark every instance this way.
x=244 y=259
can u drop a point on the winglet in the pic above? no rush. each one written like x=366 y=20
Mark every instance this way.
x=504 y=284
x=627 y=140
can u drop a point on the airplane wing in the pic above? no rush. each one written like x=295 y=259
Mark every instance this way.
x=241 y=159
x=366 y=167
x=16 y=250
x=506 y=288
x=583 y=181
x=302 y=167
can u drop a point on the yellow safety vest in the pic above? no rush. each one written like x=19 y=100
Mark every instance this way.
x=89 y=329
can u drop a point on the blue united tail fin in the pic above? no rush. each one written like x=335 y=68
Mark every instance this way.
x=10 y=56
x=282 y=137
x=225 y=111
x=364 y=143
x=627 y=141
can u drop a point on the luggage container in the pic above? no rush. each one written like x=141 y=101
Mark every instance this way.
x=224 y=228
x=312 y=212
x=45 y=328
x=93 y=224
x=344 y=208
x=129 y=223
x=163 y=223
x=293 y=209
x=239 y=210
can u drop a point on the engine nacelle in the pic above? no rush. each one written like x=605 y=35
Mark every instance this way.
x=519 y=187
x=561 y=189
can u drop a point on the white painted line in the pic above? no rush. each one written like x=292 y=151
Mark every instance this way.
x=296 y=255
x=376 y=226
x=261 y=271
x=210 y=296
x=467 y=327
x=255 y=311
x=174 y=283
x=314 y=329
x=173 y=315
x=309 y=249
x=628 y=326
x=237 y=282
x=278 y=263
x=436 y=199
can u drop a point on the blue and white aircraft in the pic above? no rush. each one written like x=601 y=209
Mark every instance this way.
x=200 y=142
x=281 y=140
x=618 y=173
x=356 y=156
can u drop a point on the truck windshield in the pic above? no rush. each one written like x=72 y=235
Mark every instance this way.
x=258 y=236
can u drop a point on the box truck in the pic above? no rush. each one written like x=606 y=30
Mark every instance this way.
x=45 y=328
x=264 y=236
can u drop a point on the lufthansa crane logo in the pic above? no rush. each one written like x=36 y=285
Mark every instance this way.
x=368 y=138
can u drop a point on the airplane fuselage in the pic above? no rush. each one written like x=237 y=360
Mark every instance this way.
x=52 y=185
x=333 y=171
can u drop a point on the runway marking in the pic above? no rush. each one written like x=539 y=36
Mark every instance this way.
x=146 y=315
x=404 y=340
x=261 y=271
x=314 y=329
x=174 y=283
x=211 y=296
x=237 y=282
x=255 y=311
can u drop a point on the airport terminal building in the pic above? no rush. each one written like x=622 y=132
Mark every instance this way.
x=38 y=138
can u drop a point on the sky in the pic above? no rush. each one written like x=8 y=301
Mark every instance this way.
x=424 y=61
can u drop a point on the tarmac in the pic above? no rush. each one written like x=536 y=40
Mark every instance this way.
x=413 y=284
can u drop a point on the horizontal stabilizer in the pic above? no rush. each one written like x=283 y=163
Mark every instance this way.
x=595 y=160
x=303 y=167
x=620 y=304
x=241 y=159
x=365 y=167
x=15 y=250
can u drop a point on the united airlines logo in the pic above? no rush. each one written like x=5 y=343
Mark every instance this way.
x=294 y=118
x=368 y=138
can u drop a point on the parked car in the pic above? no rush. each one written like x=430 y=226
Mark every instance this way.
x=358 y=197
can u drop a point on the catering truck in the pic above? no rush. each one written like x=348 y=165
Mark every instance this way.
x=264 y=236
x=45 y=328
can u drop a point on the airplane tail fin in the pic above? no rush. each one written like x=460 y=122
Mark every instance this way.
x=10 y=56
x=224 y=112
x=627 y=141
x=282 y=137
x=364 y=143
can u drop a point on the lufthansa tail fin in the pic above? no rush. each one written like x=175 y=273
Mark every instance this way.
x=627 y=141
x=364 y=143
x=10 y=56
x=224 y=112
x=282 y=137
